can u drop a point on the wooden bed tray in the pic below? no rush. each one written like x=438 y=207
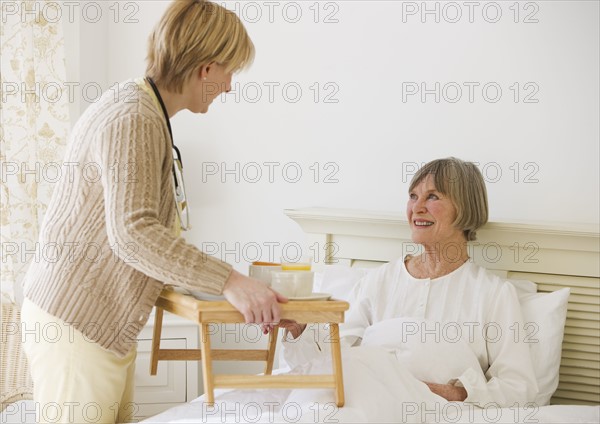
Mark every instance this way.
x=222 y=312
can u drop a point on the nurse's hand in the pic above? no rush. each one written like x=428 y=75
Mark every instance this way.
x=254 y=299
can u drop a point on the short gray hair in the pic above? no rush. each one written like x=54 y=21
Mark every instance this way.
x=464 y=185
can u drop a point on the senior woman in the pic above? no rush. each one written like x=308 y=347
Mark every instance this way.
x=447 y=204
x=118 y=226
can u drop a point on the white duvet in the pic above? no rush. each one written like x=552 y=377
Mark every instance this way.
x=379 y=388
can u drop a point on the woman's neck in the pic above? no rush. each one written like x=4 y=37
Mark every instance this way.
x=174 y=102
x=438 y=260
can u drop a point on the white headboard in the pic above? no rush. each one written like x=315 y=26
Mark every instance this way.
x=552 y=255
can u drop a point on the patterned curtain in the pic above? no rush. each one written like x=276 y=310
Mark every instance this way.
x=34 y=118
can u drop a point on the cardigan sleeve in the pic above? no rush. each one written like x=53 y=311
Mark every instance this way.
x=133 y=201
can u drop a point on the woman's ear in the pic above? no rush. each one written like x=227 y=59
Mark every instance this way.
x=205 y=70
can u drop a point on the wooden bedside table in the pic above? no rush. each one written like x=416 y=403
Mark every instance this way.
x=222 y=312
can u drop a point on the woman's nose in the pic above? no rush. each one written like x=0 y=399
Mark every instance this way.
x=419 y=206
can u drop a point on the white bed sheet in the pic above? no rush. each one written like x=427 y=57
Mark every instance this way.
x=241 y=407
x=378 y=389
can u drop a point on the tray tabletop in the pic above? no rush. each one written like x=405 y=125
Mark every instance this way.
x=222 y=311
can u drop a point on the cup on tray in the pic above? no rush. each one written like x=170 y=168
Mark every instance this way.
x=302 y=264
x=293 y=284
x=263 y=271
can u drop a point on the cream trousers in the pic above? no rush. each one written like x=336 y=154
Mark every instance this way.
x=74 y=379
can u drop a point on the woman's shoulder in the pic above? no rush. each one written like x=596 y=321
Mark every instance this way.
x=385 y=277
x=121 y=101
x=392 y=268
x=490 y=285
x=387 y=274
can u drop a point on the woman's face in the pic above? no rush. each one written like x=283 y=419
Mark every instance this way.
x=431 y=215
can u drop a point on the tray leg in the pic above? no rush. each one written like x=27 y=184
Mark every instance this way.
x=272 y=348
x=336 y=356
x=156 y=333
x=207 y=375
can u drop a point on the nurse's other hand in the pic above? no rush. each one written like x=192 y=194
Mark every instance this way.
x=254 y=299
x=448 y=391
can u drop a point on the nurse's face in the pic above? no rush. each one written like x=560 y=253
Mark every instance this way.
x=431 y=215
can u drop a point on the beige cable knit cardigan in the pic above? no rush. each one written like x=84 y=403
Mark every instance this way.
x=106 y=243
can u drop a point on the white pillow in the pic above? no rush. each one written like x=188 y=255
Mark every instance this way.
x=544 y=315
x=338 y=280
x=523 y=287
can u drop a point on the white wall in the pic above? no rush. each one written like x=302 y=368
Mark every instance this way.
x=370 y=138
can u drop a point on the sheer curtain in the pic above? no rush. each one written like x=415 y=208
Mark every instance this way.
x=34 y=122
x=34 y=117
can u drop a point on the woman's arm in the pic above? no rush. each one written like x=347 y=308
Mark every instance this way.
x=303 y=342
x=510 y=377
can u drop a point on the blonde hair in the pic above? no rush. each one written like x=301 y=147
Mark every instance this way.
x=193 y=33
x=464 y=185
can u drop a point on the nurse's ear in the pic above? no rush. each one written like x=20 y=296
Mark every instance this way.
x=204 y=72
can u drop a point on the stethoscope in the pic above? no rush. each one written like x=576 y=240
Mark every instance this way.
x=183 y=212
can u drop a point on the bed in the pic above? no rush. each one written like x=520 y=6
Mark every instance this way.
x=554 y=256
x=558 y=258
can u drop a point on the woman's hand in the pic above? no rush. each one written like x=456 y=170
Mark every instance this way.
x=291 y=326
x=294 y=328
x=254 y=299
x=448 y=391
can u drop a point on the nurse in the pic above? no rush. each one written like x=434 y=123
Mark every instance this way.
x=119 y=231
